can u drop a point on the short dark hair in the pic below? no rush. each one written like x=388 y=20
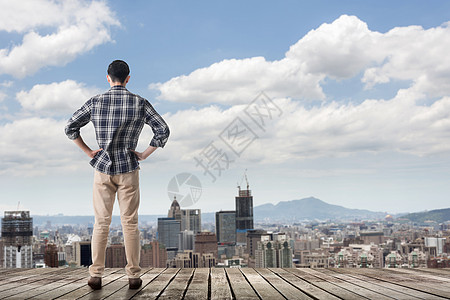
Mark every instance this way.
x=118 y=70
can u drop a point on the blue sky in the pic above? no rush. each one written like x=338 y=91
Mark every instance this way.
x=362 y=87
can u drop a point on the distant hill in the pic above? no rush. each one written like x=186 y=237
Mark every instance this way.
x=85 y=220
x=311 y=209
x=284 y=211
x=437 y=215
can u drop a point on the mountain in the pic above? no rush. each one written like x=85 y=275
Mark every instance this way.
x=284 y=211
x=310 y=209
x=60 y=220
x=437 y=215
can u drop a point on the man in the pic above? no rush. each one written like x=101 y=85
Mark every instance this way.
x=118 y=117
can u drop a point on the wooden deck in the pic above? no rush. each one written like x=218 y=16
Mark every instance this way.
x=246 y=283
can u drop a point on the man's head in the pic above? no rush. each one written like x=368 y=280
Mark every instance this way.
x=118 y=72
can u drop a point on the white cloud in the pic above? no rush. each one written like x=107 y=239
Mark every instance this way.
x=236 y=81
x=340 y=50
x=29 y=14
x=7 y=83
x=80 y=26
x=331 y=130
x=34 y=146
x=58 y=98
x=414 y=54
x=2 y=96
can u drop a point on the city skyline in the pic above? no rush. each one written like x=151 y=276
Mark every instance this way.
x=354 y=100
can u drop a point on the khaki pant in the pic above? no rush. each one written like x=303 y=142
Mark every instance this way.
x=105 y=188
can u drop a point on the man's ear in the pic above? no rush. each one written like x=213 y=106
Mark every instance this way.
x=128 y=78
x=108 y=78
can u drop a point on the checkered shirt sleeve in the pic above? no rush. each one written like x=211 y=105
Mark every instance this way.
x=118 y=117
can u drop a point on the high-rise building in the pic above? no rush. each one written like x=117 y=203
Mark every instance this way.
x=115 y=256
x=208 y=260
x=82 y=253
x=253 y=237
x=273 y=254
x=191 y=220
x=168 y=230
x=266 y=256
x=51 y=256
x=186 y=240
x=185 y=259
x=226 y=226
x=2 y=253
x=153 y=255
x=206 y=242
x=17 y=232
x=174 y=211
x=244 y=214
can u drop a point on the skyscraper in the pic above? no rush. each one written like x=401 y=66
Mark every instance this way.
x=153 y=255
x=115 y=256
x=174 y=211
x=273 y=253
x=186 y=240
x=226 y=226
x=206 y=242
x=244 y=210
x=244 y=214
x=168 y=230
x=51 y=255
x=191 y=220
x=82 y=253
x=17 y=232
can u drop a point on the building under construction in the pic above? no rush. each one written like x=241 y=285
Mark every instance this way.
x=17 y=236
x=244 y=213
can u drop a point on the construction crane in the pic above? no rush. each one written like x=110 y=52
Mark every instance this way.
x=246 y=180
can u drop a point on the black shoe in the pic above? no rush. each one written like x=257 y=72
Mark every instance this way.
x=95 y=283
x=134 y=283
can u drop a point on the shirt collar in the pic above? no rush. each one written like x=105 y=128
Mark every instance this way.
x=118 y=87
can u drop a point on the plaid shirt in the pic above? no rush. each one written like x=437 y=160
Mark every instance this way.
x=118 y=117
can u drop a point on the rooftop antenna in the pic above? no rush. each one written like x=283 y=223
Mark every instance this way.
x=18 y=204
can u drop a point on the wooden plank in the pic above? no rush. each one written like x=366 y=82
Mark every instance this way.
x=220 y=288
x=438 y=272
x=147 y=277
x=47 y=284
x=429 y=285
x=28 y=274
x=362 y=292
x=386 y=286
x=10 y=272
x=371 y=284
x=392 y=285
x=260 y=285
x=198 y=289
x=406 y=281
x=84 y=289
x=109 y=289
x=72 y=284
x=283 y=287
x=25 y=284
x=177 y=288
x=332 y=288
x=157 y=286
x=426 y=276
x=303 y=285
x=363 y=289
x=239 y=285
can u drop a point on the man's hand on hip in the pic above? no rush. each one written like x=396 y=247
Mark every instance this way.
x=145 y=154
